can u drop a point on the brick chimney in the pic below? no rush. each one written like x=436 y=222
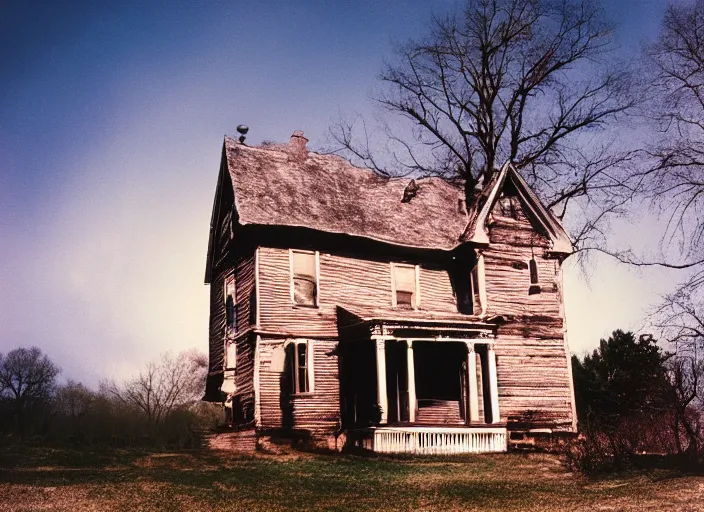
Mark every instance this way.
x=297 y=145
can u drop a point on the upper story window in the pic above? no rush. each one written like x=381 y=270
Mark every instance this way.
x=305 y=273
x=534 y=284
x=404 y=282
x=230 y=311
x=475 y=283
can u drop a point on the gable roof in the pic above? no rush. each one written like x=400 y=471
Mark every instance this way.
x=286 y=185
x=477 y=229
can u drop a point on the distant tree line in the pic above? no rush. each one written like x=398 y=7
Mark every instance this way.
x=160 y=407
x=635 y=399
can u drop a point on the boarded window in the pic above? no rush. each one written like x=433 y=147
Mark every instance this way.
x=301 y=366
x=230 y=315
x=405 y=286
x=305 y=278
x=231 y=356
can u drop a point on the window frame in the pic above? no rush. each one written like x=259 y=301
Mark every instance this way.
x=415 y=299
x=534 y=285
x=316 y=303
x=310 y=367
x=229 y=347
x=230 y=327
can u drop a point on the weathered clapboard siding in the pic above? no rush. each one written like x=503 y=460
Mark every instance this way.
x=533 y=376
x=270 y=377
x=513 y=243
x=244 y=375
x=244 y=284
x=223 y=220
x=217 y=324
x=316 y=411
x=321 y=410
x=507 y=285
x=533 y=379
x=345 y=281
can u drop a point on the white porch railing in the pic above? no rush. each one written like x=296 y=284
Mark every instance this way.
x=436 y=440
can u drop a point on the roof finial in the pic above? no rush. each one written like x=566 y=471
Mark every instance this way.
x=410 y=191
x=242 y=129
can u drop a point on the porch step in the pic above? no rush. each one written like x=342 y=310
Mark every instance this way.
x=438 y=412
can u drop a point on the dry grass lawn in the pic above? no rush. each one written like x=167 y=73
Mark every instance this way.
x=66 y=480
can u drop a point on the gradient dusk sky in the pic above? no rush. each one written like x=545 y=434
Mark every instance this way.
x=111 y=123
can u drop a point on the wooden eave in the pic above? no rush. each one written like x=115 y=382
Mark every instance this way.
x=214 y=216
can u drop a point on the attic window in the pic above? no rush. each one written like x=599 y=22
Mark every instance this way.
x=534 y=285
x=304 y=278
x=406 y=294
x=509 y=206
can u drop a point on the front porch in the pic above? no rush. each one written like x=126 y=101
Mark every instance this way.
x=422 y=387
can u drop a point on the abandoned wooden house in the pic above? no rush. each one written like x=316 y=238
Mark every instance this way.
x=386 y=312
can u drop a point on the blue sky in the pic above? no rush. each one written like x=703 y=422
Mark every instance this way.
x=111 y=124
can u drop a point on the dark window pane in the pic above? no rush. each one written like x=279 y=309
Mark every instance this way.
x=302 y=380
x=404 y=299
x=301 y=350
x=533 y=271
x=230 y=311
x=253 y=306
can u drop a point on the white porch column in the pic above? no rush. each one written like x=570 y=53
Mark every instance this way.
x=493 y=386
x=472 y=384
x=381 y=396
x=411 y=382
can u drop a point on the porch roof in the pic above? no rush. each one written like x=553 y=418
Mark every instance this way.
x=408 y=317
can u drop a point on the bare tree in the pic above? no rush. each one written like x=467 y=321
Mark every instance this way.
x=164 y=386
x=675 y=181
x=676 y=177
x=519 y=80
x=681 y=321
x=27 y=377
x=74 y=401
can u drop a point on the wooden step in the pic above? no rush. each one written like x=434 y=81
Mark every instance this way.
x=438 y=412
